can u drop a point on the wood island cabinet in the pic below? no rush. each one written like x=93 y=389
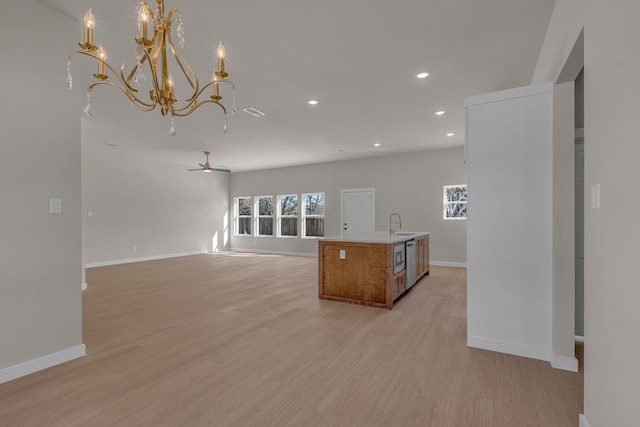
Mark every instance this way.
x=422 y=256
x=359 y=270
x=399 y=285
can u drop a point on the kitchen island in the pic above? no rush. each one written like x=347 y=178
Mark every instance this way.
x=359 y=268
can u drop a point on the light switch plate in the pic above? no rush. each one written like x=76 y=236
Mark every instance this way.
x=55 y=206
x=343 y=254
x=595 y=196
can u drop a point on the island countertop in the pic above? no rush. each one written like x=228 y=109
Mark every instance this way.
x=378 y=237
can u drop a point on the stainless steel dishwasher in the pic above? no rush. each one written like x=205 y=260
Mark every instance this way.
x=410 y=262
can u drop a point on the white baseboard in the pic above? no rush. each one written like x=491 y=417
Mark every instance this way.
x=564 y=362
x=448 y=264
x=84 y=286
x=509 y=348
x=44 y=362
x=270 y=252
x=147 y=258
x=583 y=421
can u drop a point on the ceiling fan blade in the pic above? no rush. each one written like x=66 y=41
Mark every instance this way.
x=189 y=170
x=220 y=170
x=201 y=165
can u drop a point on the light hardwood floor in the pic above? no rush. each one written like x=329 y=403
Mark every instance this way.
x=243 y=340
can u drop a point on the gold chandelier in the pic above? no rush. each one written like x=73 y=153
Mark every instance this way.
x=152 y=54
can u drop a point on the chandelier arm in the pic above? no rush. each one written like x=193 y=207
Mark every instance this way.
x=85 y=52
x=140 y=105
x=154 y=78
x=153 y=59
x=97 y=58
x=193 y=104
x=153 y=67
x=188 y=73
x=170 y=15
x=229 y=82
x=194 y=107
x=131 y=96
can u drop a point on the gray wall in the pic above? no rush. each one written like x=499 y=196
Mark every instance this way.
x=611 y=87
x=143 y=207
x=409 y=184
x=40 y=267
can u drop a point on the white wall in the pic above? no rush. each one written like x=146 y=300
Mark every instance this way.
x=510 y=243
x=142 y=207
x=409 y=184
x=611 y=86
x=564 y=261
x=40 y=267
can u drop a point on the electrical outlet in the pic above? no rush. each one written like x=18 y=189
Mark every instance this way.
x=343 y=254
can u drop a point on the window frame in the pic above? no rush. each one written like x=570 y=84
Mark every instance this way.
x=446 y=202
x=305 y=215
x=280 y=216
x=258 y=216
x=237 y=216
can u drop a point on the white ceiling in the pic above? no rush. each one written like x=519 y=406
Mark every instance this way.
x=358 y=58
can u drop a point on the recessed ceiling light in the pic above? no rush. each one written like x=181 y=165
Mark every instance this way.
x=312 y=102
x=440 y=113
x=422 y=75
x=377 y=144
x=450 y=134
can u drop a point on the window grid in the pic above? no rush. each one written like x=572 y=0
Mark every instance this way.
x=243 y=216
x=313 y=215
x=288 y=215
x=264 y=217
x=454 y=202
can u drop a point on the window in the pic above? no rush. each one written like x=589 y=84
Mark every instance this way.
x=264 y=219
x=454 y=201
x=288 y=215
x=243 y=215
x=313 y=215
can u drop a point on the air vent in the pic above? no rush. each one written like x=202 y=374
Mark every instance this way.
x=253 y=111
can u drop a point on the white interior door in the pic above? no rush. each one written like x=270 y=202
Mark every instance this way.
x=358 y=210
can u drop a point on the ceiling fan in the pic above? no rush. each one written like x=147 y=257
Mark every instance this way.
x=207 y=167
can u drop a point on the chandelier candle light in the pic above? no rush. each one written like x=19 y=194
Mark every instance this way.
x=152 y=54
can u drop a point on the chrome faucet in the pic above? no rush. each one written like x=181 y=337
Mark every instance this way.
x=391 y=230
